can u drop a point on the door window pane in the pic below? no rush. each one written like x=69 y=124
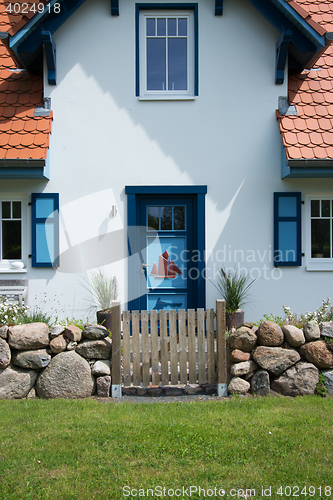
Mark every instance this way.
x=161 y=27
x=172 y=27
x=16 y=209
x=325 y=208
x=166 y=218
x=153 y=218
x=182 y=27
x=179 y=218
x=150 y=27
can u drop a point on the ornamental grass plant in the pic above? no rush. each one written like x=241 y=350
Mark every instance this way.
x=234 y=288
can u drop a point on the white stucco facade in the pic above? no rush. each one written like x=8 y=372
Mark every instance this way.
x=104 y=138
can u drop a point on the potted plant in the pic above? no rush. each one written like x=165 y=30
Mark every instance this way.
x=104 y=290
x=234 y=288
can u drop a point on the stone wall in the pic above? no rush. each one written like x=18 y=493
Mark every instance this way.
x=64 y=363
x=286 y=360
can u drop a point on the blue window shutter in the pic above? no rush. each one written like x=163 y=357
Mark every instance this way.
x=287 y=229
x=45 y=229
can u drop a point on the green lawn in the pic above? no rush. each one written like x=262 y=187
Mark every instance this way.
x=67 y=449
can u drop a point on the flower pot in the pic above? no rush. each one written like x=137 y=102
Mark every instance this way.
x=234 y=319
x=105 y=318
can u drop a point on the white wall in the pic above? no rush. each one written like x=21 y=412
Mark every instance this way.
x=104 y=138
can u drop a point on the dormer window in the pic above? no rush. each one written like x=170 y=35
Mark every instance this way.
x=167 y=54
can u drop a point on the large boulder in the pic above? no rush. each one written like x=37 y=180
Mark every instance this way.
x=95 y=349
x=317 y=353
x=328 y=374
x=34 y=360
x=260 y=383
x=270 y=334
x=67 y=376
x=5 y=354
x=95 y=332
x=293 y=335
x=29 y=336
x=239 y=369
x=238 y=385
x=275 y=359
x=243 y=338
x=298 y=380
x=16 y=383
x=311 y=330
x=326 y=329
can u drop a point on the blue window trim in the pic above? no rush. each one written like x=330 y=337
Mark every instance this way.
x=297 y=219
x=166 y=6
x=133 y=214
x=38 y=220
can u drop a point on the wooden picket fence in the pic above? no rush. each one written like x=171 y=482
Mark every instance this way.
x=162 y=348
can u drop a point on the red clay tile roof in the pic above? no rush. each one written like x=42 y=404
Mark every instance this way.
x=309 y=135
x=22 y=135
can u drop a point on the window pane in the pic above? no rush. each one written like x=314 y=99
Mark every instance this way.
x=156 y=64
x=150 y=26
x=320 y=238
x=325 y=208
x=182 y=27
x=161 y=27
x=6 y=209
x=11 y=239
x=177 y=60
x=172 y=27
x=166 y=218
x=179 y=218
x=16 y=209
x=153 y=218
x=315 y=208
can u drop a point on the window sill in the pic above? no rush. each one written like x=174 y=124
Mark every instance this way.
x=169 y=97
x=320 y=265
x=13 y=271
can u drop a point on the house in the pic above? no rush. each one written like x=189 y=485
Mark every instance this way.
x=162 y=140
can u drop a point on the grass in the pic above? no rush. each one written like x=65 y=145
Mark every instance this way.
x=67 y=449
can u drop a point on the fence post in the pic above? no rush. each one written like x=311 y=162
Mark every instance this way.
x=116 y=351
x=222 y=387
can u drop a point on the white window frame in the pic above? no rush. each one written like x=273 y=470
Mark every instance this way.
x=167 y=94
x=315 y=264
x=6 y=265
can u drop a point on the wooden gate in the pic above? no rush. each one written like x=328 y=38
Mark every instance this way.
x=168 y=347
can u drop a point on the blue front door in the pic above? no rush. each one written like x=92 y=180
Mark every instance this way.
x=166 y=243
x=168 y=277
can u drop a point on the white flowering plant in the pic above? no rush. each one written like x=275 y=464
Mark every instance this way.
x=323 y=313
x=11 y=312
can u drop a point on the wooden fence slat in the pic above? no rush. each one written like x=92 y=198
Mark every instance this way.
x=201 y=345
x=210 y=346
x=145 y=348
x=154 y=348
x=182 y=346
x=164 y=347
x=222 y=388
x=136 y=347
x=126 y=349
x=173 y=346
x=116 y=351
x=191 y=347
